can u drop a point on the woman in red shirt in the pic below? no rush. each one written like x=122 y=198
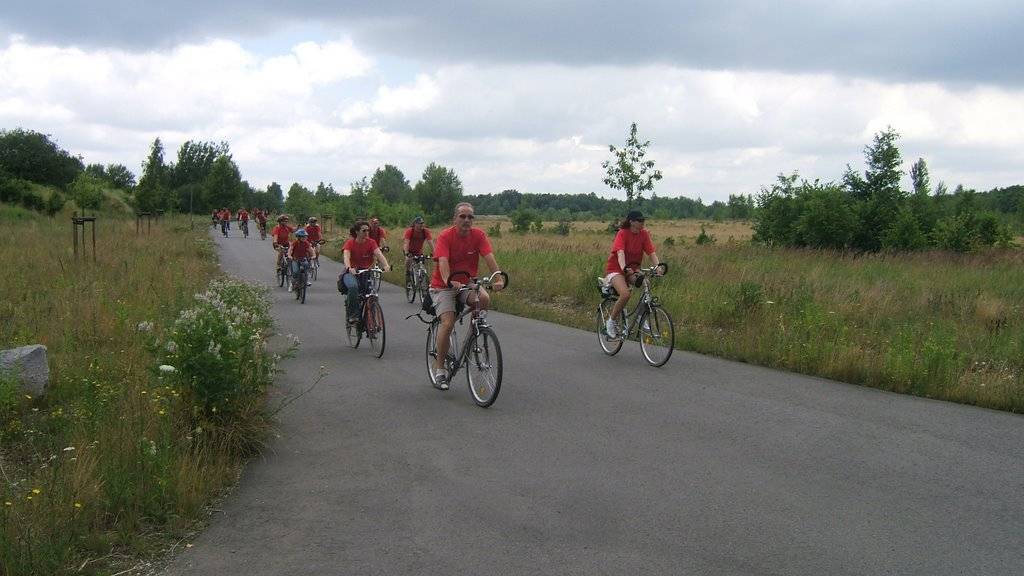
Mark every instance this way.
x=631 y=242
x=315 y=235
x=358 y=253
x=279 y=236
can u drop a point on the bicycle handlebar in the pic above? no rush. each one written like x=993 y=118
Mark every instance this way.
x=477 y=283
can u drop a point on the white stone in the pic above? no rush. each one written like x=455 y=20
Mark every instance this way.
x=29 y=366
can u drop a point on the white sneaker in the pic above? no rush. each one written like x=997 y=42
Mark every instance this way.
x=611 y=329
x=289 y=286
x=440 y=379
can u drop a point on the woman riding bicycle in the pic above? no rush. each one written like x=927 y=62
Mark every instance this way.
x=631 y=242
x=358 y=253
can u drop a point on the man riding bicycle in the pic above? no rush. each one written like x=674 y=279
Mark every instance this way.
x=378 y=234
x=243 y=219
x=280 y=235
x=416 y=236
x=457 y=252
x=358 y=253
x=315 y=235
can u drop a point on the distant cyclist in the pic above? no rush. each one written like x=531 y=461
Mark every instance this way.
x=315 y=235
x=359 y=253
x=261 y=219
x=458 y=250
x=225 y=221
x=299 y=252
x=631 y=242
x=243 y=220
x=378 y=234
x=416 y=236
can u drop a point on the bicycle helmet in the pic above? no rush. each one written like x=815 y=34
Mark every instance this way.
x=301 y=233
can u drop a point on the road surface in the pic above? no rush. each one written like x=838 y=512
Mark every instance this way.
x=589 y=464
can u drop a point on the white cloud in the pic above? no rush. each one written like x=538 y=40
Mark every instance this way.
x=323 y=111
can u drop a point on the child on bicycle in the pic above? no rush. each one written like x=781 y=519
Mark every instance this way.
x=631 y=242
x=299 y=252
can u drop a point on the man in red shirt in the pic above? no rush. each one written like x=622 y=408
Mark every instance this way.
x=261 y=220
x=457 y=252
x=315 y=235
x=415 y=237
x=378 y=234
x=279 y=237
x=243 y=219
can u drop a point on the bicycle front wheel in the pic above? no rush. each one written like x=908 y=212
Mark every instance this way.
x=282 y=276
x=410 y=287
x=483 y=368
x=657 y=336
x=611 y=346
x=375 y=328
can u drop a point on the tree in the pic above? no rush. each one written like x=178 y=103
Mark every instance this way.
x=325 y=194
x=32 y=156
x=629 y=171
x=195 y=161
x=390 y=183
x=87 y=190
x=275 y=197
x=438 y=191
x=223 y=185
x=301 y=203
x=919 y=177
x=121 y=177
x=151 y=193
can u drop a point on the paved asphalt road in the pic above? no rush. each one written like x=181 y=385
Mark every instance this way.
x=594 y=465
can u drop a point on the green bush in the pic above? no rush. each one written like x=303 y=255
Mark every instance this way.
x=33 y=201
x=522 y=220
x=87 y=191
x=563 y=228
x=495 y=231
x=216 y=349
x=55 y=203
x=704 y=237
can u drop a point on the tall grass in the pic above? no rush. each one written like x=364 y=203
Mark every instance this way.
x=932 y=324
x=114 y=458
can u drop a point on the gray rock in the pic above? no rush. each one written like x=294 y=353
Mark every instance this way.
x=29 y=365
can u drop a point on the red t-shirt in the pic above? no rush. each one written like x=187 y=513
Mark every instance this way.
x=378 y=235
x=314 y=232
x=243 y=215
x=463 y=253
x=301 y=249
x=261 y=216
x=360 y=253
x=225 y=215
x=281 y=232
x=634 y=245
x=416 y=240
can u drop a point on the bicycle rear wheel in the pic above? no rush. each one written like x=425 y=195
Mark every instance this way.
x=611 y=346
x=375 y=328
x=432 y=350
x=483 y=368
x=657 y=336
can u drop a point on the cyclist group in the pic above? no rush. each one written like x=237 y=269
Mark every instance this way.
x=223 y=218
x=457 y=251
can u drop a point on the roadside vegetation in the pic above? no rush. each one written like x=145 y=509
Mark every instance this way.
x=935 y=324
x=155 y=394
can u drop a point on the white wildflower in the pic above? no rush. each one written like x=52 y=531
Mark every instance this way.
x=171 y=346
x=168 y=369
x=144 y=327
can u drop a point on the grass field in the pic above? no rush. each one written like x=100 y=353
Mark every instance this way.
x=933 y=324
x=108 y=465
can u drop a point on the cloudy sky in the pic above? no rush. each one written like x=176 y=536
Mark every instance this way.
x=526 y=94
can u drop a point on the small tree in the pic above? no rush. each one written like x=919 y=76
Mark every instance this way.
x=629 y=171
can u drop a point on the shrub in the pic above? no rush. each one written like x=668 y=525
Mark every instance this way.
x=495 y=231
x=522 y=219
x=33 y=201
x=87 y=191
x=563 y=228
x=669 y=241
x=537 y=226
x=55 y=203
x=216 y=348
x=704 y=237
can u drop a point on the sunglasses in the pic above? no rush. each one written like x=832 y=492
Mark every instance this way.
x=364 y=229
x=466 y=216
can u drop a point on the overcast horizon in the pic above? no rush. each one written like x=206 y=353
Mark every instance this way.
x=526 y=95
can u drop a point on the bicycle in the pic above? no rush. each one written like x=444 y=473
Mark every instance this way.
x=371 y=316
x=480 y=353
x=314 y=267
x=299 y=281
x=263 y=230
x=245 y=228
x=416 y=278
x=648 y=322
x=224 y=228
x=283 y=266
